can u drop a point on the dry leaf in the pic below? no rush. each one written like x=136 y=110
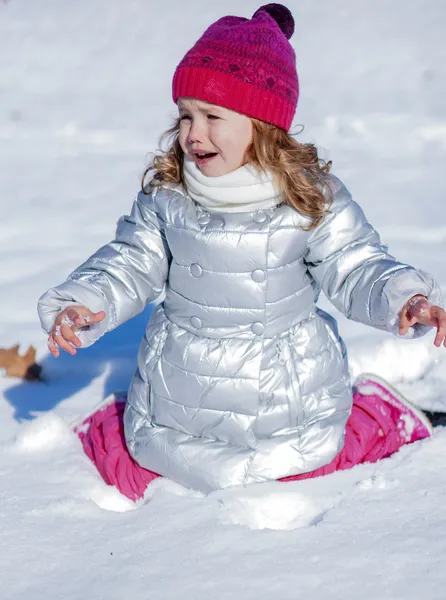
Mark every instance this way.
x=20 y=366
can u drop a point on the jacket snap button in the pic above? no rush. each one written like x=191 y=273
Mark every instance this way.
x=204 y=219
x=196 y=322
x=258 y=275
x=196 y=270
x=257 y=328
x=260 y=217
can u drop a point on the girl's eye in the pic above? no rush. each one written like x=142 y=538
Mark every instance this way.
x=184 y=117
x=213 y=117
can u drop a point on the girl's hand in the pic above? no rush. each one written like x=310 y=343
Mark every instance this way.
x=66 y=324
x=419 y=310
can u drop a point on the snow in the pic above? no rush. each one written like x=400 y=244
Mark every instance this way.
x=84 y=95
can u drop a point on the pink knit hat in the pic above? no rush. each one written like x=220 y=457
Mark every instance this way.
x=246 y=65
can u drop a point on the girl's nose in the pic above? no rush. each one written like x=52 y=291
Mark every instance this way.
x=195 y=133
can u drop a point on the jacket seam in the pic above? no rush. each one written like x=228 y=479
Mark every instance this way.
x=104 y=261
x=268 y=269
x=295 y=293
x=171 y=289
x=200 y=408
x=153 y=210
x=261 y=310
x=235 y=273
x=213 y=376
x=233 y=337
x=222 y=231
x=389 y=273
x=237 y=231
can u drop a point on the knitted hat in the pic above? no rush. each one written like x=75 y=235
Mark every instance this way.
x=246 y=65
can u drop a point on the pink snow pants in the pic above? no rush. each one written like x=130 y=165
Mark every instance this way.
x=378 y=426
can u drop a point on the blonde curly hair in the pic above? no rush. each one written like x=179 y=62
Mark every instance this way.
x=299 y=174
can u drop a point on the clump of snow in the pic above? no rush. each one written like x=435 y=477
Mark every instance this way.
x=47 y=432
x=271 y=506
x=107 y=497
x=409 y=425
x=378 y=481
x=396 y=359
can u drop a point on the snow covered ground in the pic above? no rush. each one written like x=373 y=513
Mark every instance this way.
x=84 y=94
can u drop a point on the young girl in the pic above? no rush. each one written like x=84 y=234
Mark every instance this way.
x=240 y=377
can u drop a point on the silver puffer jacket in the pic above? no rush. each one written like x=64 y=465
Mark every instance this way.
x=240 y=377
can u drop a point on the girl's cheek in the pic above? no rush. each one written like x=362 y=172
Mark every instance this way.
x=182 y=139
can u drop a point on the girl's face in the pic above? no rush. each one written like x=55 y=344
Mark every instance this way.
x=215 y=138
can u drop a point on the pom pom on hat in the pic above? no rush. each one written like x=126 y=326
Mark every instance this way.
x=282 y=16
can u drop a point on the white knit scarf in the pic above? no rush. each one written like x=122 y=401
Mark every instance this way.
x=244 y=190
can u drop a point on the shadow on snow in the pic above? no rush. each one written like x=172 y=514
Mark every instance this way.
x=65 y=376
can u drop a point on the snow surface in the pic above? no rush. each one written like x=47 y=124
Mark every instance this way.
x=84 y=94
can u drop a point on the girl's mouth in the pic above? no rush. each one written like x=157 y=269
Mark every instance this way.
x=203 y=159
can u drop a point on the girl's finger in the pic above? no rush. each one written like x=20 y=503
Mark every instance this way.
x=74 y=317
x=416 y=306
x=97 y=317
x=69 y=335
x=441 y=326
x=82 y=317
x=52 y=346
x=404 y=325
x=412 y=321
x=440 y=336
x=61 y=342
